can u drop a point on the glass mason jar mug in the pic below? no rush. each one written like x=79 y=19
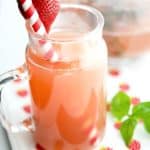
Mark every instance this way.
x=68 y=93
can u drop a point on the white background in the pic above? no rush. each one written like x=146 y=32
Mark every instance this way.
x=13 y=36
x=13 y=39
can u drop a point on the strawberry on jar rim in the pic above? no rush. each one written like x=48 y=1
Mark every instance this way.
x=47 y=10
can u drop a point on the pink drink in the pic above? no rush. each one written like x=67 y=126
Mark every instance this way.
x=68 y=95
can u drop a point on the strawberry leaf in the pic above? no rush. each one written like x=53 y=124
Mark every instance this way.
x=120 y=105
x=127 y=130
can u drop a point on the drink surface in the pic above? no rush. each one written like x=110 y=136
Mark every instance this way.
x=68 y=96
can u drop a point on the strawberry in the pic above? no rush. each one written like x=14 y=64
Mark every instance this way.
x=47 y=10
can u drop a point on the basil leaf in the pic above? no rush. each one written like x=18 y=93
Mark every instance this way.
x=120 y=105
x=141 y=110
x=127 y=130
x=146 y=121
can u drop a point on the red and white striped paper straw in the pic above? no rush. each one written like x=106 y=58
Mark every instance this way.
x=38 y=27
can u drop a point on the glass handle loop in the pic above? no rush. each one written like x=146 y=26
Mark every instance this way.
x=15 y=74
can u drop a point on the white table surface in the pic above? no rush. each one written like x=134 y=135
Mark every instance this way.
x=135 y=76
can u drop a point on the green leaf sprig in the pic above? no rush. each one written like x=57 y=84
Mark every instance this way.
x=129 y=115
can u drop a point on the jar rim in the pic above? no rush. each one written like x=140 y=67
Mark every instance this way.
x=98 y=27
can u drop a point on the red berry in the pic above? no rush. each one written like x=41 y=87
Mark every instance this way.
x=22 y=92
x=135 y=100
x=117 y=125
x=114 y=72
x=47 y=10
x=124 y=87
x=135 y=145
x=27 y=109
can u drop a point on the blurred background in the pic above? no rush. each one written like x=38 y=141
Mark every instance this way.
x=13 y=37
x=127 y=27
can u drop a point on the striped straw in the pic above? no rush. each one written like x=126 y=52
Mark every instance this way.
x=32 y=16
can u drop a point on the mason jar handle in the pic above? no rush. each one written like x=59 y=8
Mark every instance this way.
x=18 y=73
x=15 y=74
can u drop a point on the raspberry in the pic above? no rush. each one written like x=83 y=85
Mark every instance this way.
x=117 y=125
x=27 y=109
x=124 y=87
x=135 y=101
x=135 y=145
x=114 y=72
x=22 y=92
